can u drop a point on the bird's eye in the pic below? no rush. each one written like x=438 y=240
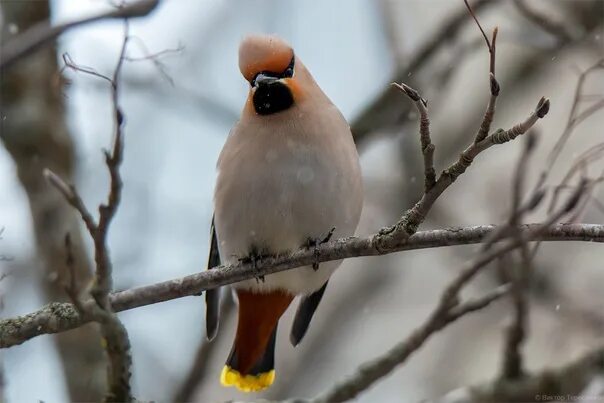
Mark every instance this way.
x=289 y=71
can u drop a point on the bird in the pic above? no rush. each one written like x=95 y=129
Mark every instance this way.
x=288 y=176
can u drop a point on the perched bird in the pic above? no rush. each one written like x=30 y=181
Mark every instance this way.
x=287 y=176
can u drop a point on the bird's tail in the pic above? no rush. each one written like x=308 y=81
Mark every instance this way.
x=251 y=364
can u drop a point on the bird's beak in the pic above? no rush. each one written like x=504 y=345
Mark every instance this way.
x=264 y=79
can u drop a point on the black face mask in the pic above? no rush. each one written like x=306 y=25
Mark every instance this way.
x=272 y=95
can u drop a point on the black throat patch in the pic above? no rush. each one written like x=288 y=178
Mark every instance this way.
x=272 y=98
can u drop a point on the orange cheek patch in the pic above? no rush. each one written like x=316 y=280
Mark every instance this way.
x=295 y=88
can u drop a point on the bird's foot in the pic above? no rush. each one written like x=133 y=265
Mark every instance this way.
x=254 y=258
x=315 y=242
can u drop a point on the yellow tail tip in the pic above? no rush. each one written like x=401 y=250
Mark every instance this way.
x=246 y=383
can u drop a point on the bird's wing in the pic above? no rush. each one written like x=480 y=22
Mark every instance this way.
x=304 y=315
x=213 y=295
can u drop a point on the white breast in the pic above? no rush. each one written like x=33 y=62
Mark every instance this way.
x=276 y=188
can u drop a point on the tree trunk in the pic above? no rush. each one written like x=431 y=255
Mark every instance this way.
x=34 y=131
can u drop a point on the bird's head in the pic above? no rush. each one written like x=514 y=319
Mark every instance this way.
x=268 y=63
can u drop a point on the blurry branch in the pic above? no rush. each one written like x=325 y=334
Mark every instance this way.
x=447 y=311
x=203 y=358
x=367 y=287
x=520 y=276
x=98 y=309
x=569 y=381
x=385 y=110
x=148 y=55
x=60 y=317
x=154 y=57
x=575 y=117
x=546 y=23
x=42 y=33
x=579 y=167
x=592 y=154
x=390 y=22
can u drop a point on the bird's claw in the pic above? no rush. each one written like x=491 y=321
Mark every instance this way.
x=253 y=258
x=315 y=242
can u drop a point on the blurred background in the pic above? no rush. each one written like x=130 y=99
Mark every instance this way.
x=179 y=110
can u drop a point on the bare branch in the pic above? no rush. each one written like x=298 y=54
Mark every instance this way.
x=117 y=343
x=489 y=114
x=574 y=117
x=568 y=381
x=490 y=43
x=70 y=194
x=552 y=27
x=477 y=304
x=155 y=57
x=69 y=63
x=104 y=281
x=424 y=131
x=60 y=317
x=385 y=110
x=204 y=356
x=42 y=33
x=518 y=276
x=416 y=215
x=448 y=310
x=486 y=39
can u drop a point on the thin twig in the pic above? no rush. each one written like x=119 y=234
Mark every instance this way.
x=69 y=63
x=42 y=33
x=490 y=43
x=424 y=131
x=71 y=195
x=385 y=111
x=113 y=160
x=117 y=343
x=154 y=57
x=489 y=114
x=416 y=215
x=574 y=119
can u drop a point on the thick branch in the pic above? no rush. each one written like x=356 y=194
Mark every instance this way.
x=60 y=317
